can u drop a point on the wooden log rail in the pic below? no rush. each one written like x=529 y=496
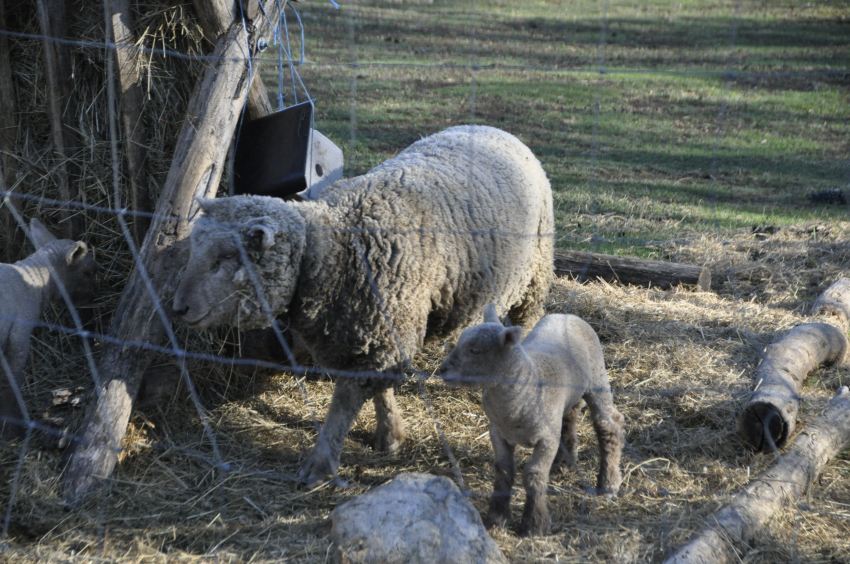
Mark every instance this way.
x=770 y=416
x=638 y=272
x=789 y=478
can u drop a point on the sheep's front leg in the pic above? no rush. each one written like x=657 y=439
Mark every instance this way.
x=535 y=478
x=346 y=403
x=12 y=365
x=389 y=432
x=499 y=514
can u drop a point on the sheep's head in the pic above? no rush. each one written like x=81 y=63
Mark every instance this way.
x=73 y=263
x=480 y=357
x=243 y=265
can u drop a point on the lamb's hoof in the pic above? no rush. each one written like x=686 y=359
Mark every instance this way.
x=608 y=493
x=315 y=471
x=535 y=527
x=388 y=442
x=496 y=519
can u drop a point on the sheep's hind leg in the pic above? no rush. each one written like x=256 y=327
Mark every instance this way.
x=389 y=432
x=323 y=461
x=608 y=423
x=568 y=449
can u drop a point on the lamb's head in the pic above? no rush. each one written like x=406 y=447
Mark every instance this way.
x=244 y=263
x=72 y=262
x=482 y=355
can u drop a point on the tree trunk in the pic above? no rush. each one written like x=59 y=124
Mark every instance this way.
x=135 y=135
x=8 y=133
x=785 y=481
x=769 y=418
x=638 y=272
x=215 y=16
x=199 y=157
x=63 y=111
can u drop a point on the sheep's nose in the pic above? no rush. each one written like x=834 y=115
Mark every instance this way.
x=443 y=368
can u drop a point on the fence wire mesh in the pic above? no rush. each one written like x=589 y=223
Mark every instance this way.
x=711 y=133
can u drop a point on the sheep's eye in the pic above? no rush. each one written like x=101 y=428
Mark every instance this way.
x=228 y=256
x=473 y=350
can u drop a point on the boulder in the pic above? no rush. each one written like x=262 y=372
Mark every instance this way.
x=414 y=518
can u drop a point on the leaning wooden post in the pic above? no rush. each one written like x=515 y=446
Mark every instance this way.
x=786 y=480
x=199 y=157
x=135 y=136
x=769 y=418
x=63 y=111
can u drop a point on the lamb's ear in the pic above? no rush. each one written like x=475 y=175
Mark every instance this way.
x=77 y=253
x=260 y=236
x=449 y=347
x=39 y=233
x=511 y=336
x=490 y=315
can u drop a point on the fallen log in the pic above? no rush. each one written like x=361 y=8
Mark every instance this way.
x=626 y=270
x=785 y=481
x=769 y=418
x=214 y=108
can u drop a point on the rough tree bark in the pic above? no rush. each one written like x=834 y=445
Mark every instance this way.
x=785 y=481
x=215 y=16
x=135 y=135
x=769 y=418
x=63 y=111
x=199 y=158
x=8 y=132
x=639 y=272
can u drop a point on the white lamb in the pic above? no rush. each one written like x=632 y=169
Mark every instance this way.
x=412 y=250
x=26 y=289
x=532 y=391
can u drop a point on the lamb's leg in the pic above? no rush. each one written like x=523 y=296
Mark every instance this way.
x=11 y=378
x=608 y=423
x=349 y=396
x=568 y=449
x=535 y=516
x=389 y=432
x=499 y=514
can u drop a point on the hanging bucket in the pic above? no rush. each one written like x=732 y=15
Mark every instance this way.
x=280 y=155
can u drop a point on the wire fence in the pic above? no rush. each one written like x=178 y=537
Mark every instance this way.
x=217 y=461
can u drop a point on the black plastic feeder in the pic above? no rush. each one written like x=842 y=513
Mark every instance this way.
x=272 y=154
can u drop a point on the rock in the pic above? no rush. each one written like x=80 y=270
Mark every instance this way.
x=414 y=518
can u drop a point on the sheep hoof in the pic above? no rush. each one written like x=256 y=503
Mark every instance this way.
x=315 y=471
x=387 y=442
x=495 y=519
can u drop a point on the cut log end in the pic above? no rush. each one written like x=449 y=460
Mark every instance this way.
x=763 y=427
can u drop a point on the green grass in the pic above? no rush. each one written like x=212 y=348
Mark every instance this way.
x=666 y=136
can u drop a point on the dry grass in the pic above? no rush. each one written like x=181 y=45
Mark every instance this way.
x=680 y=362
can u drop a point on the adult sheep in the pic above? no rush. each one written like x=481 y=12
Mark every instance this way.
x=412 y=250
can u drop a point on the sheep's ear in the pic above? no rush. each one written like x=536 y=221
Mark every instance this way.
x=77 y=253
x=260 y=236
x=490 y=315
x=449 y=347
x=39 y=233
x=211 y=206
x=511 y=336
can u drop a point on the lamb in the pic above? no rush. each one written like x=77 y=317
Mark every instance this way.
x=411 y=251
x=532 y=395
x=28 y=287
